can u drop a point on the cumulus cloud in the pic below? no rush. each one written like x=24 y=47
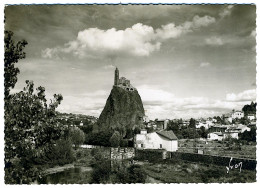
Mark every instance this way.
x=160 y=103
x=248 y=95
x=226 y=11
x=204 y=64
x=214 y=41
x=138 y=40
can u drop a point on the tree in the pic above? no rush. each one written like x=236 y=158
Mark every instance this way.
x=174 y=126
x=137 y=130
x=249 y=109
x=115 y=139
x=87 y=128
x=77 y=136
x=192 y=123
x=100 y=138
x=13 y=53
x=202 y=132
x=248 y=135
x=31 y=126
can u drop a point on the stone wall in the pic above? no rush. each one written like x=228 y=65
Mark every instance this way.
x=121 y=153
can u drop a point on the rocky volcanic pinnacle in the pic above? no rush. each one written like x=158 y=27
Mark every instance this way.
x=123 y=110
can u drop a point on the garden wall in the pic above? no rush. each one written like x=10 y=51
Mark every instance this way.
x=115 y=153
x=122 y=153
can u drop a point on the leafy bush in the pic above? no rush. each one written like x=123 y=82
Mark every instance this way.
x=115 y=139
x=31 y=126
x=77 y=136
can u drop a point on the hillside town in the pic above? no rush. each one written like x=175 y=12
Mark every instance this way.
x=229 y=126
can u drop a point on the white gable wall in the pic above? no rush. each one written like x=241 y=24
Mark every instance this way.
x=155 y=141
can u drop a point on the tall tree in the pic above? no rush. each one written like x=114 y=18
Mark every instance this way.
x=30 y=123
x=192 y=123
x=77 y=136
x=13 y=53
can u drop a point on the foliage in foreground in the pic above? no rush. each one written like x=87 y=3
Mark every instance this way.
x=177 y=171
x=31 y=127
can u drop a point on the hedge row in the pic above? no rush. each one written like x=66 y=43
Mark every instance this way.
x=149 y=154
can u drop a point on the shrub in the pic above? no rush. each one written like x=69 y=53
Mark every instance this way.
x=77 y=136
x=61 y=153
x=115 y=139
x=136 y=174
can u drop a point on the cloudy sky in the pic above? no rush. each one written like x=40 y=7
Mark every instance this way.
x=185 y=60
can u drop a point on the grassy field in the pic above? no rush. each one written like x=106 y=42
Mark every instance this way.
x=219 y=148
x=188 y=172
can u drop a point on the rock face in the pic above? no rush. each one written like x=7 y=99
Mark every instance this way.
x=123 y=111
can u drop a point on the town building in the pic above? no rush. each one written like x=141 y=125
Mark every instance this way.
x=215 y=136
x=157 y=140
x=221 y=132
x=185 y=123
x=218 y=128
x=161 y=123
x=237 y=128
x=227 y=118
x=237 y=114
x=204 y=123
x=251 y=117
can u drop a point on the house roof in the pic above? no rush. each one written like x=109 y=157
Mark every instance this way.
x=168 y=134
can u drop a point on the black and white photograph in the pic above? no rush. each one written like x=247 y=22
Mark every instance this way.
x=129 y=93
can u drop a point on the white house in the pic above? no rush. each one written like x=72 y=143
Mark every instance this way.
x=238 y=128
x=81 y=123
x=237 y=114
x=206 y=124
x=251 y=117
x=215 y=136
x=157 y=140
x=230 y=135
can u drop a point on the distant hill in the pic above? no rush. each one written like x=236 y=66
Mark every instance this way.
x=75 y=119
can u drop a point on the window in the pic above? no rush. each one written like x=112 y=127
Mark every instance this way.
x=160 y=145
x=142 y=145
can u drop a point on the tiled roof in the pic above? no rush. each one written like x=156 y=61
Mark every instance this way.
x=168 y=134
